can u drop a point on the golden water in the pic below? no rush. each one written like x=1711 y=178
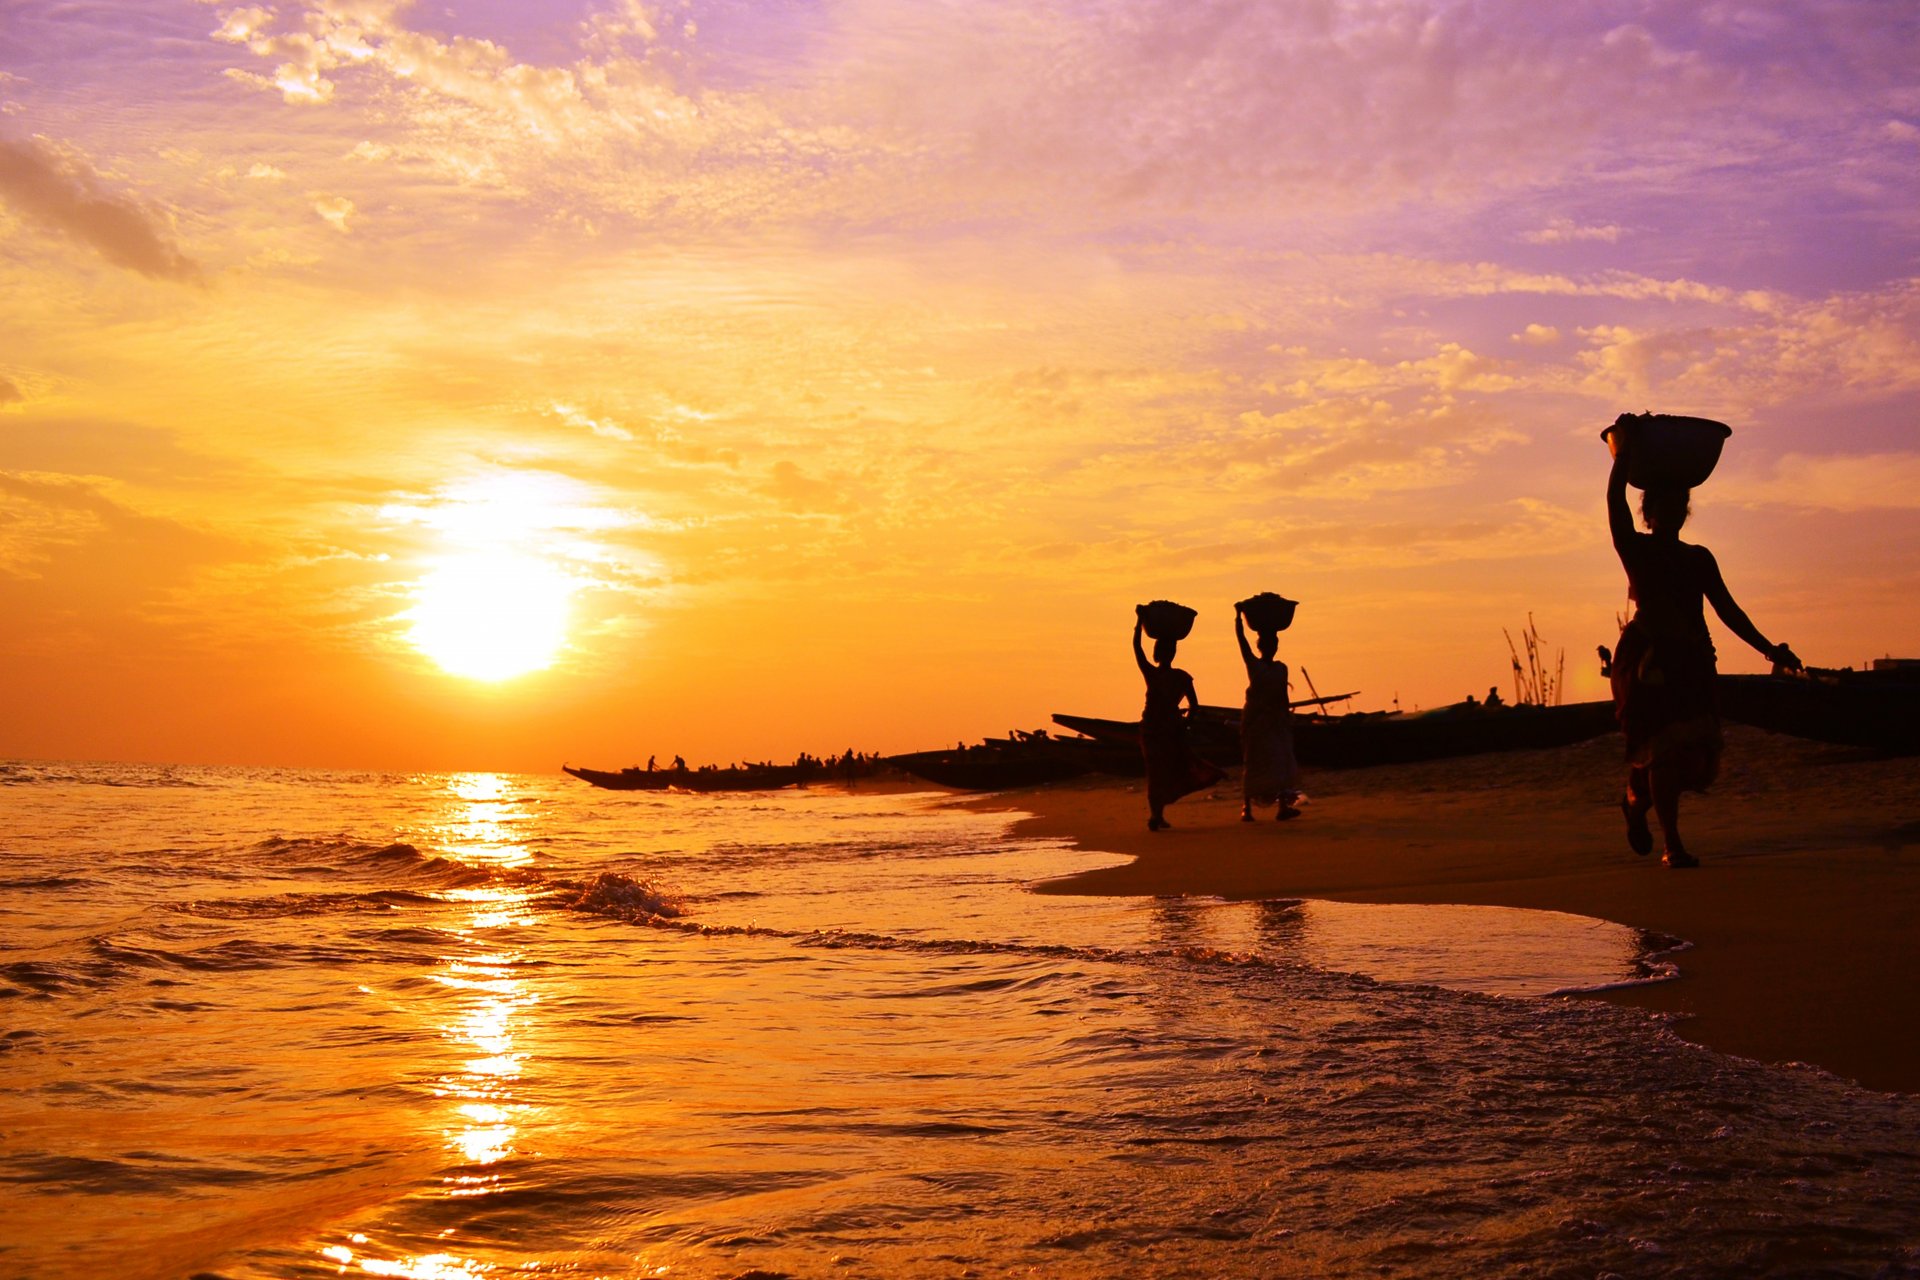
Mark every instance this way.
x=283 y=1024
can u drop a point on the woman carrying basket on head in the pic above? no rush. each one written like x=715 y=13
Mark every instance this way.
x=1266 y=721
x=1173 y=770
x=1664 y=668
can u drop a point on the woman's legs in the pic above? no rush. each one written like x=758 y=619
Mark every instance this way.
x=1666 y=807
x=1634 y=806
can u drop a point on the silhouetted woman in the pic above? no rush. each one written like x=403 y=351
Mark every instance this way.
x=1266 y=727
x=1663 y=670
x=1172 y=768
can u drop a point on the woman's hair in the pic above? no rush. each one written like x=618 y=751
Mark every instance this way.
x=1163 y=650
x=1665 y=508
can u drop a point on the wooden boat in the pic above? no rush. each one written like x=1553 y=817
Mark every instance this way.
x=1464 y=729
x=1214 y=732
x=1368 y=738
x=991 y=768
x=1876 y=709
x=756 y=778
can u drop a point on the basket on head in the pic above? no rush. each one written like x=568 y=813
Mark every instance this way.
x=1165 y=620
x=1268 y=612
x=1669 y=451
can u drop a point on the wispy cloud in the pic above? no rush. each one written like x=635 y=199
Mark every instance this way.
x=336 y=211
x=1846 y=483
x=1138 y=104
x=1565 y=231
x=60 y=189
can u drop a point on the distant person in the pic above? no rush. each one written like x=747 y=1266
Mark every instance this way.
x=1172 y=768
x=679 y=764
x=1266 y=728
x=1664 y=667
x=650 y=760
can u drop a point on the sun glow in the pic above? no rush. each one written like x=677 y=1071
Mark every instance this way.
x=492 y=615
x=496 y=601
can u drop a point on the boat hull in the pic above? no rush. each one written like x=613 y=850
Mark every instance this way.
x=1856 y=709
x=991 y=768
x=687 y=779
x=1356 y=741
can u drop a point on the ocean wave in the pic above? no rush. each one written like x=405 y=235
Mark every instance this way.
x=46 y=978
x=48 y=882
x=140 y=1173
x=279 y=905
x=624 y=898
x=340 y=847
x=235 y=955
x=343 y=855
x=1651 y=967
x=27 y=775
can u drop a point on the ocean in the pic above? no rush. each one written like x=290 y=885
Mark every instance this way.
x=276 y=1023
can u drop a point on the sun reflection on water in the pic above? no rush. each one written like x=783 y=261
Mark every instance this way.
x=484 y=825
x=482 y=1113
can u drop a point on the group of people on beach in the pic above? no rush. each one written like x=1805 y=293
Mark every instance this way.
x=1662 y=675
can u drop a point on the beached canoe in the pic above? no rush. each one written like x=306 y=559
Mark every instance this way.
x=1369 y=738
x=1464 y=729
x=992 y=768
x=1879 y=710
x=757 y=779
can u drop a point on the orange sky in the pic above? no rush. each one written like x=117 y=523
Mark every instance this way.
x=822 y=374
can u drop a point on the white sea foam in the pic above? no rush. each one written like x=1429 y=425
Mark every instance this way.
x=623 y=897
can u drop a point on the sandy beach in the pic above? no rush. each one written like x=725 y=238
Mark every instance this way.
x=1804 y=919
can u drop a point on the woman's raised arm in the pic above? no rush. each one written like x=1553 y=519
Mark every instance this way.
x=1240 y=634
x=1619 y=515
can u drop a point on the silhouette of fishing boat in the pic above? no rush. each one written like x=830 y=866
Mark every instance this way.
x=1359 y=739
x=756 y=778
x=1027 y=759
x=1462 y=729
x=990 y=768
x=1878 y=709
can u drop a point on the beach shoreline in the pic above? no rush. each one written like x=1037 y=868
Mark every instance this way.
x=1803 y=922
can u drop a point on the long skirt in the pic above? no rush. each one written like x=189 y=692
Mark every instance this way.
x=1173 y=770
x=1266 y=742
x=1663 y=699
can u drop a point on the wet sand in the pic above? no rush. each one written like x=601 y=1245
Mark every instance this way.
x=1804 y=918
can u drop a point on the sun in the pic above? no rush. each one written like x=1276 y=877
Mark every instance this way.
x=492 y=615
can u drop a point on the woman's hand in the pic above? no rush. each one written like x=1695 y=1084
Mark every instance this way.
x=1625 y=431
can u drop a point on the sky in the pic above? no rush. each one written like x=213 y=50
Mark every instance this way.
x=486 y=385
